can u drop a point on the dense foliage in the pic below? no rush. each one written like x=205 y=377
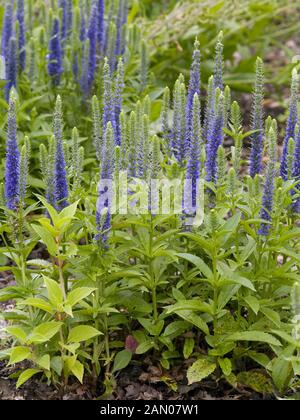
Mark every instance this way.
x=214 y=286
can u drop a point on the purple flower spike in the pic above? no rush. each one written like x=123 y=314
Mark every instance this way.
x=291 y=123
x=215 y=139
x=101 y=25
x=119 y=28
x=108 y=100
x=55 y=55
x=296 y=171
x=92 y=36
x=61 y=185
x=218 y=72
x=11 y=67
x=8 y=23
x=21 y=40
x=194 y=87
x=257 y=121
x=193 y=166
x=12 y=168
x=82 y=35
x=119 y=87
x=268 y=195
x=64 y=20
x=69 y=17
x=103 y=212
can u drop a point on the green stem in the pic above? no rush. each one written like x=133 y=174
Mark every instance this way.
x=216 y=294
x=154 y=295
x=61 y=278
x=105 y=323
x=154 y=304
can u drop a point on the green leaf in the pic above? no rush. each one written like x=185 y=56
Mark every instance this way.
x=221 y=349
x=44 y=332
x=51 y=210
x=190 y=305
x=144 y=347
x=194 y=319
x=257 y=381
x=175 y=328
x=17 y=332
x=56 y=364
x=122 y=359
x=54 y=292
x=272 y=316
x=203 y=242
x=248 y=249
x=198 y=262
x=35 y=182
x=226 y=293
x=260 y=358
x=78 y=370
x=71 y=347
x=231 y=277
x=38 y=303
x=27 y=374
x=225 y=365
x=188 y=347
x=44 y=362
x=229 y=228
x=254 y=336
x=82 y=333
x=47 y=238
x=200 y=370
x=253 y=303
x=18 y=354
x=288 y=338
x=38 y=263
x=282 y=369
x=69 y=212
x=153 y=328
x=78 y=294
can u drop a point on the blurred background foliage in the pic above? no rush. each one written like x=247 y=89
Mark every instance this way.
x=268 y=28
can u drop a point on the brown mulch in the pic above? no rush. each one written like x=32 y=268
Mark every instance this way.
x=134 y=383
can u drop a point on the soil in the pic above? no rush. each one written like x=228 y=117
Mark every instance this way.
x=134 y=383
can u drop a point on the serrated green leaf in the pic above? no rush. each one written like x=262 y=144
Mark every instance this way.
x=82 y=333
x=27 y=374
x=44 y=362
x=78 y=294
x=69 y=212
x=200 y=370
x=55 y=294
x=254 y=336
x=190 y=305
x=78 y=370
x=46 y=238
x=198 y=262
x=153 y=328
x=17 y=332
x=18 y=354
x=256 y=380
x=38 y=303
x=44 y=332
